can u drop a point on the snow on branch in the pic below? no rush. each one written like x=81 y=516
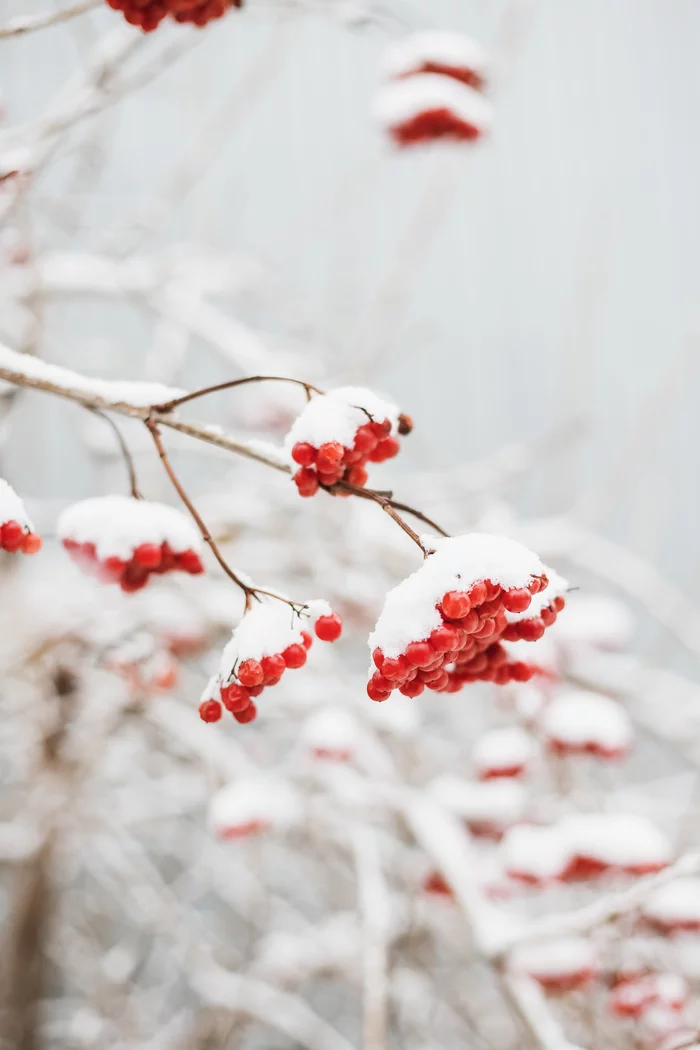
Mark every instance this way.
x=29 y=23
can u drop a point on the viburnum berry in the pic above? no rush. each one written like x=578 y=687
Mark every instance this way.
x=16 y=530
x=338 y=433
x=294 y=656
x=210 y=711
x=148 y=14
x=102 y=536
x=273 y=667
x=501 y=590
x=250 y=673
x=328 y=628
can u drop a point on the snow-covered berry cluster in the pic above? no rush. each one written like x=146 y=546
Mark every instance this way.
x=338 y=433
x=268 y=640
x=563 y=965
x=16 y=530
x=675 y=907
x=582 y=723
x=148 y=14
x=433 y=89
x=124 y=540
x=248 y=807
x=442 y=627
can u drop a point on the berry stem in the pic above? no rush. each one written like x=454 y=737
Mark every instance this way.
x=124 y=448
x=168 y=406
x=391 y=507
x=250 y=592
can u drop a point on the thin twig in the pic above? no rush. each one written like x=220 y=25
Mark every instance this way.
x=168 y=406
x=250 y=592
x=124 y=448
x=389 y=506
x=20 y=26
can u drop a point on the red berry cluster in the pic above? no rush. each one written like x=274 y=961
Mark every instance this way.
x=148 y=14
x=133 y=575
x=333 y=461
x=15 y=537
x=248 y=680
x=466 y=646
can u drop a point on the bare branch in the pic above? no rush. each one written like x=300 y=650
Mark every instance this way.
x=29 y=23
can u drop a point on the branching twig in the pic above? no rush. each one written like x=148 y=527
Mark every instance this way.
x=168 y=406
x=19 y=26
x=124 y=448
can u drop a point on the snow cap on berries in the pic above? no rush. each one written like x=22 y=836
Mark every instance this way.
x=437 y=51
x=249 y=806
x=337 y=416
x=535 y=854
x=410 y=610
x=427 y=107
x=623 y=841
x=267 y=628
x=577 y=721
x=491 y=804
x=558 y=965
x=502 y=752
x=331 y=733
x=117 y=525
x=675 y=906
x=148 y=14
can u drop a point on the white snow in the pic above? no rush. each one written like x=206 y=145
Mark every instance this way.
x=502 y=749
x=437 y=47
x=255 y=803
x=119 y=524
x=410 y=613
x=596 y=620
x=330 y=729
x=537 y=853
x=618 y=840
x=580 y=719
x=400 y=101
x=12 y=507
x=676 y=903
x=556 y=958
x=501 y=802
x=337 y=416
x=112 y=391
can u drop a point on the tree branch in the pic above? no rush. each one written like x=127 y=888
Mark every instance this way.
x=20 y=26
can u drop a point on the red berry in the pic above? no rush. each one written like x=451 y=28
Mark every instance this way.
x=306 y=639
x=272 y=666
x=31 y=543
x=234 y=697
x=12 y=536
x=304 y=454
x=394 y=667
x=189 y=561
x=330 y=456
x=477 y=593
x=489 y=608
x=381 y=683
x=521 y=672
x=248 y=714
x=378 y=658
x=559 y=603
x=365 y=439
x=357 y=476
x=531 y=630
x=470 y=622
x=256 y=690
x=414 y=688
x=306 y=481
x=405 y=424
x=455 y=605
x=486 y=629
x=517 y=599
x=439 y=682
x=444 y=639
x=328 y=628
x=419 y=653
x=548 y=615
x=148 y=555
x=294 y=656
x=381 y=429
x=210 y=711
x=376 y=694
x=250 y=673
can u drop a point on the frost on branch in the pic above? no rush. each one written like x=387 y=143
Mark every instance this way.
x=148 y=14
x=124 y=540
x=435 y=51
x=441 y=627
x=433 y=90
x=580 y=723
x=247 y=807
x=269 y=639
x=338 y=433
x=16 y=530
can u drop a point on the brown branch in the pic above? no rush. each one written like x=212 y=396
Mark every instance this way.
x=168 y=406
x=250 y=592
x=19 y=26
x=390 y=507
x=124 y=448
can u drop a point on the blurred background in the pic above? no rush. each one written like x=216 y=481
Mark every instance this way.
x=200 y=205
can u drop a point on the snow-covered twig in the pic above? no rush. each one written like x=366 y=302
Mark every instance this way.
x=374 y=910
x=28 y=23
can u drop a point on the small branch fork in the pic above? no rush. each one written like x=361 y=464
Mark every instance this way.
x=249 y=592
x=168 y=406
